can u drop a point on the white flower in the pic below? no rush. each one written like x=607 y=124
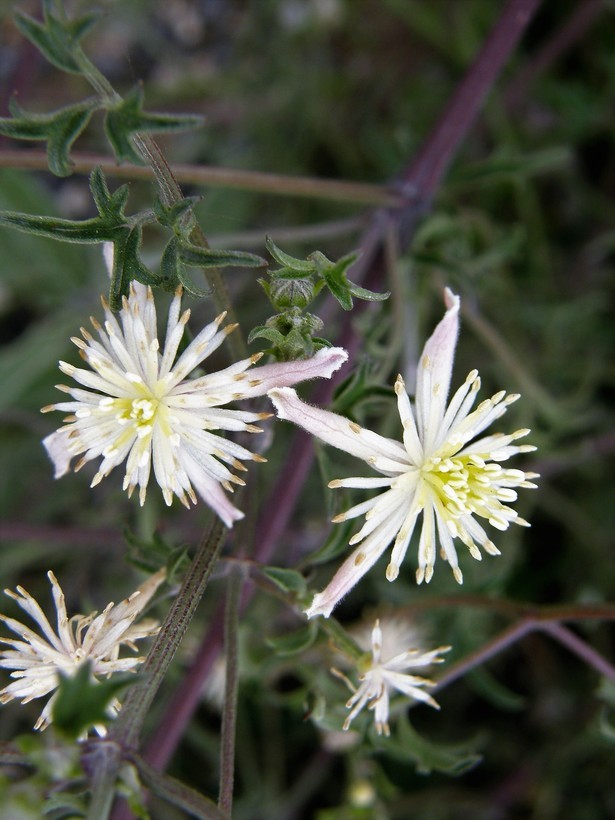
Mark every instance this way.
x=437 y=470
x=39 y=658
x=383 y=672
x=139 y=406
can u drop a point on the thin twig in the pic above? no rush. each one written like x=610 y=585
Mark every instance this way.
x=573 y=29
x=229 y=713
x=580 y=648
x=213 y=176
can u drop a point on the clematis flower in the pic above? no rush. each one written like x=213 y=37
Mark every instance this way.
x=140 y=407
x=384 y=671
x=440 y=469
x=37 y=659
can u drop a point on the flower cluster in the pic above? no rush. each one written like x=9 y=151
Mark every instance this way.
x=139 y=406
x=440 y=469
x=136 y=404
x=39 y=658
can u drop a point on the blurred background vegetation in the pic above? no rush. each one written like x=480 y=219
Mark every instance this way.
x=523 y=228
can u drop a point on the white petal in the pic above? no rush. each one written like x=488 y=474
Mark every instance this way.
x=322 y=365
x=434 y=372
x=336 y=430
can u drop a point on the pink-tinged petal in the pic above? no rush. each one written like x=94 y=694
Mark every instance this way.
x=336 y=430
x=58 y=451
x=434 y=372
x=210 y=491
x=322 y=365
x=355 y=567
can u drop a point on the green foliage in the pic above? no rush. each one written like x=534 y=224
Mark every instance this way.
x=59 y=130
x=82 y=701
x=57 y=38
x=126 y=118
x=408 y=746
x=291 y=288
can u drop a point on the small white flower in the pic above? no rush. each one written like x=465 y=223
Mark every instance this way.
x=37 y=659
x=382 y=672
x=139 y=407
x=437 y=471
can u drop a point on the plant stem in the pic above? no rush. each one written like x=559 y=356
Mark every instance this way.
x=213 y=176
x=128 y=726
x=168 y=187
x=229 y=713
x=578 y=646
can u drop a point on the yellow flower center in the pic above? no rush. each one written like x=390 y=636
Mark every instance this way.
x=466 y=484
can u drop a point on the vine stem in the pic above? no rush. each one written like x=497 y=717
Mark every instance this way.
x=214 y=176
x=517 y=631
x=127 y=729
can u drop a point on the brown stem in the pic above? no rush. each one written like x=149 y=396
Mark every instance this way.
x=361 y=193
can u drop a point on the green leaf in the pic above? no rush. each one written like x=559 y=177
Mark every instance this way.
x=177 y=216
x=59 y=129
x=407 y=745
x=339 y=289
x=57 y=39
x=288 y=261
x=128 y=266
x=209 y=258
x=127 y=118
x=189 y=286
x=67 y=230
x=82 y=701
x=285 y=646
x=368 y=295
x=288 y=580
x=269 y=333
x=492 y=690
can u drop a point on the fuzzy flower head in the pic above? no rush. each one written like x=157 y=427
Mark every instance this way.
x=138 y=405
x=39 y=657
x=383 y=671
x=440 y=469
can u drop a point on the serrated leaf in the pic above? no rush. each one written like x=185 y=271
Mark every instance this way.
x=288 y=261
x=57 y=39
x=127 y=266
x=285 y=646
x=59 y=129
x=176 y=215
x=127 y=118
x=110 y=205
x=288 y=580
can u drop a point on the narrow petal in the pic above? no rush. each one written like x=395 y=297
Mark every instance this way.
x=434 y=372
x=336 y=430
x=322 y=365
